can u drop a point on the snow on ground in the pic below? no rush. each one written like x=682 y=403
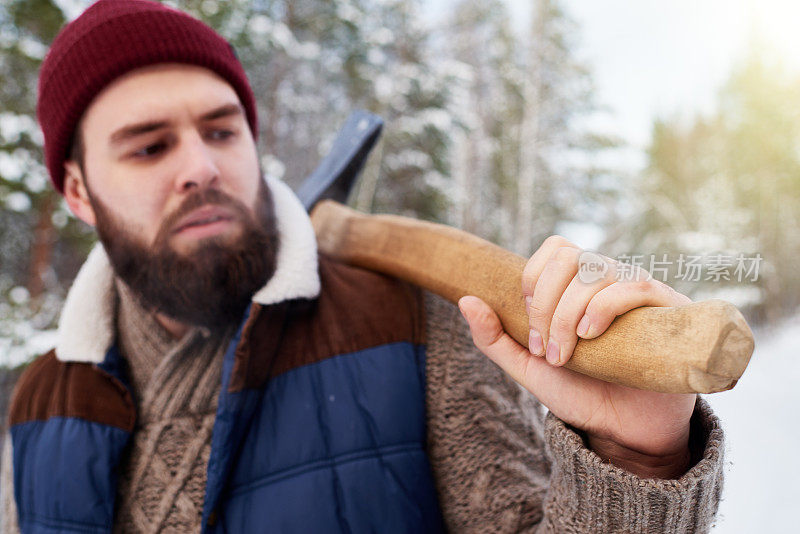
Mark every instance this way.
x=760 y=417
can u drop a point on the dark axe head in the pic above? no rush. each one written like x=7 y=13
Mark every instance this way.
x=336 y=174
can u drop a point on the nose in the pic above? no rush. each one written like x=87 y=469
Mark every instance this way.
x=198 y=168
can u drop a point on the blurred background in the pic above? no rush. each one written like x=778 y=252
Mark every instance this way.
x=660 y=133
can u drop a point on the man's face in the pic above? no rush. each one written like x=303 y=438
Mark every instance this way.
x=172 y=183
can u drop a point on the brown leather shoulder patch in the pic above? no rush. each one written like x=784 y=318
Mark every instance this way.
x=52 y=388
x=356 y=309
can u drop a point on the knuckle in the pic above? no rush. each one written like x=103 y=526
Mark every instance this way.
x=556 y=240
x=598 y=309
x=561 y=325
x=613 y=265
x=484 y=319
x=643 y=286
x=538 y=312
x=565 y=255
x=609 y=277
x=639 y=285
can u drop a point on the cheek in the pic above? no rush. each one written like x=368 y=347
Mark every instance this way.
x=142 y=207
x=245 y=172
x=140 y=197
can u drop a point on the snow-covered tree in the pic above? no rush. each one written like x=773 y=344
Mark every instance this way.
x=314 y=62
x=519 y=158
x=37 y=237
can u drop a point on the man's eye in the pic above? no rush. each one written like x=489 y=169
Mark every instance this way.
x=149 y=150
x=220 y=135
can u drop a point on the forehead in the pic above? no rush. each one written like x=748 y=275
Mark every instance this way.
x=157 y=92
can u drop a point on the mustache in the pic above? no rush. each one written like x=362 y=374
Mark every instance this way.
x=203 y=197
x=212 y=285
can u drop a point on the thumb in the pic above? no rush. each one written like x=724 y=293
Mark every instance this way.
x=555 y=387
x=490 y=338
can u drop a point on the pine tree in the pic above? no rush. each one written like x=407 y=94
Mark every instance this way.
x=39 y=242
x=488 y=108
x=514 y=159
x=556 y=183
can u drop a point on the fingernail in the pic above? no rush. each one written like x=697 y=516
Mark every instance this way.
x=583 y=326
x=464 y=315
x=535 y=343
x=528 y=304
x=553 y=352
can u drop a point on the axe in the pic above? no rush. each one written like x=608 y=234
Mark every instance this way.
x=702 y=347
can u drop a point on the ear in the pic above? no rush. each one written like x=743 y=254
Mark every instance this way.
x=76 y=194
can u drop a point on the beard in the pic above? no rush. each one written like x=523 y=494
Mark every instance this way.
x=212 y=284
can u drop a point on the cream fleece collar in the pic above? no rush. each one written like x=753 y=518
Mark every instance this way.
x=86 y=328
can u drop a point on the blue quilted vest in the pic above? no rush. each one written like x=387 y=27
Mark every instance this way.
x=320 y=425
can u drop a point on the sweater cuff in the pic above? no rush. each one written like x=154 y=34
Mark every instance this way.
x=589 y=495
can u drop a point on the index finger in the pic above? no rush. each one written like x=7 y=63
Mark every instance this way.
x=535 y=265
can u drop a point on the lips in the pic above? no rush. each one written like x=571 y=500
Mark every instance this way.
x=203 y=216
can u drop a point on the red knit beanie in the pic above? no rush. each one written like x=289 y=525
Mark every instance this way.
x=113 y=37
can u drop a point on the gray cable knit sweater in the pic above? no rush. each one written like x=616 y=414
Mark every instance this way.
x=500 y=464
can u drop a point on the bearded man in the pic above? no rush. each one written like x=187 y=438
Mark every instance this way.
x=214 y=373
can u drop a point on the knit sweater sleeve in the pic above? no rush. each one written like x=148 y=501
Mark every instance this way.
x=502 y=463
x=8 y=507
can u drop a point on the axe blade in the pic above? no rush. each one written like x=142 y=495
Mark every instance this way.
x=336 y=174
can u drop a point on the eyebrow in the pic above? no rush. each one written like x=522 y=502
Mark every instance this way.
x=133 y=130
x=223 y=111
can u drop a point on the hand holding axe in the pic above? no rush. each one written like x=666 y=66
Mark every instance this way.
x=703 y=347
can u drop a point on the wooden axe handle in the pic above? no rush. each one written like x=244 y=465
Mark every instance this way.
x=701 y=347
